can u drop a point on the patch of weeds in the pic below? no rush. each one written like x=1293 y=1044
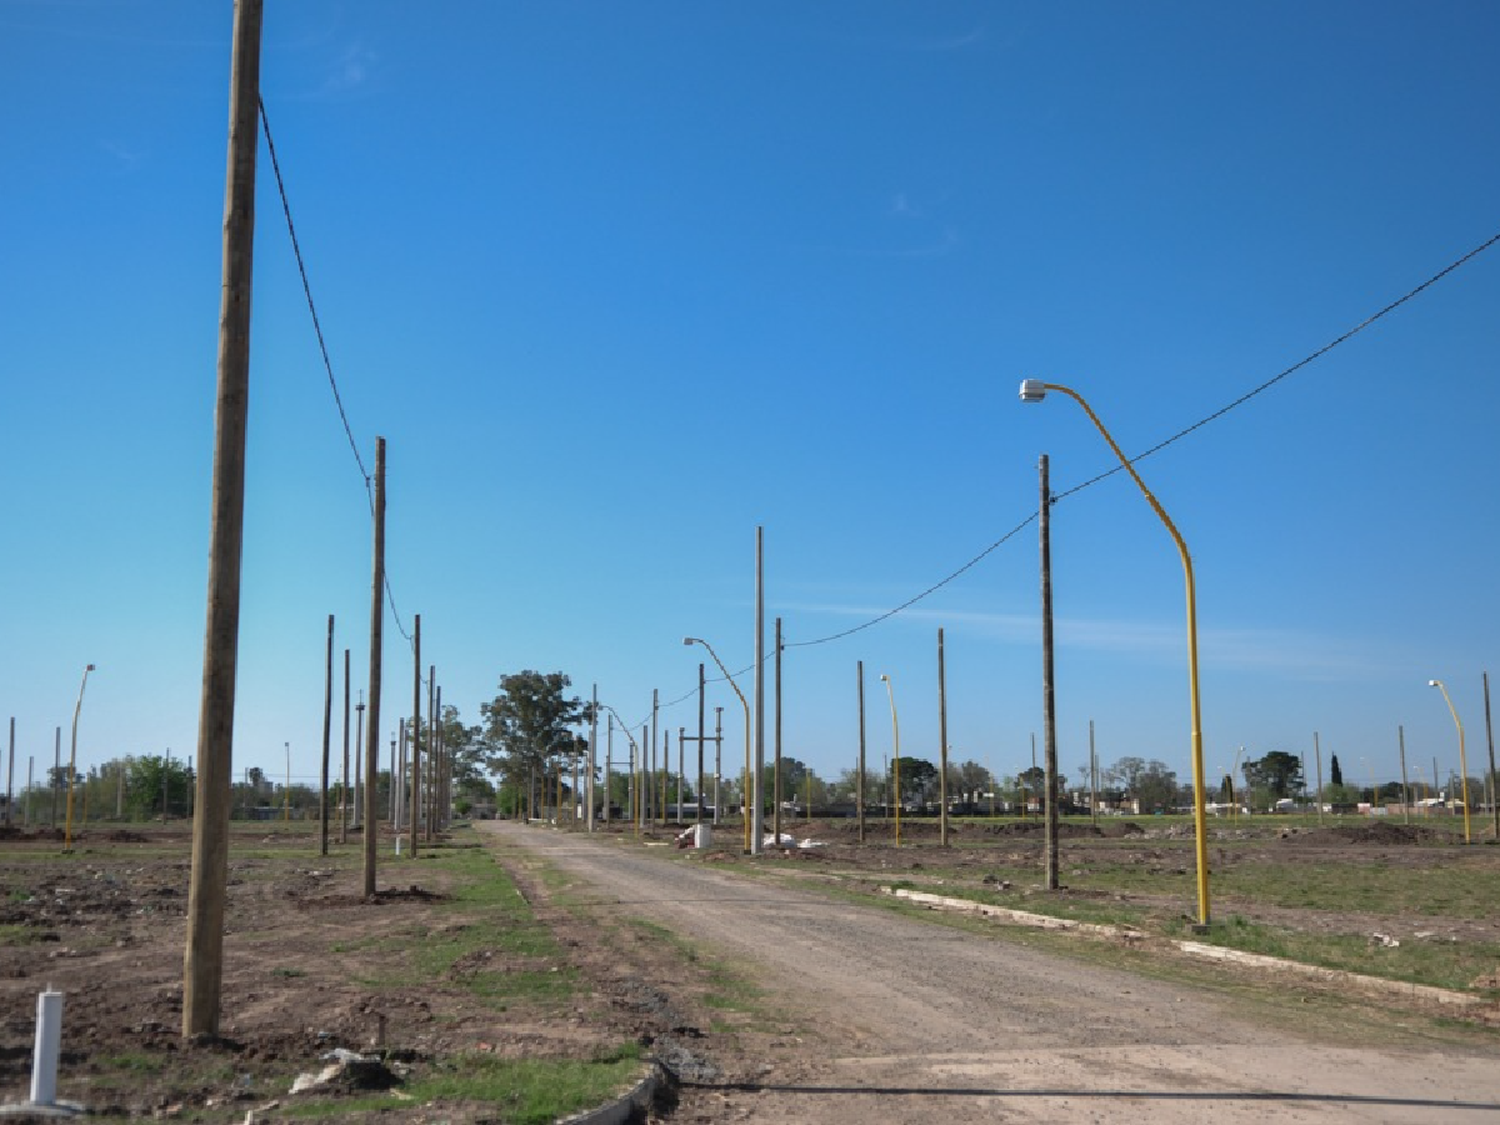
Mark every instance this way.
x=135 y=1062
x=16 y=933
x=1452 y=965
x=521 y=1091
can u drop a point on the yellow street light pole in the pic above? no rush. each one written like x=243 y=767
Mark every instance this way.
x=896 y=757
x=1463 y=762
x=1034 y=390
x=745 y=802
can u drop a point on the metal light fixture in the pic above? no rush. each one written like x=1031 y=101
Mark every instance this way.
x=1035 y=390
x=1463 y=762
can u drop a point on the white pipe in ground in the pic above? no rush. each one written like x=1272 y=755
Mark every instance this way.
x=49 y=1011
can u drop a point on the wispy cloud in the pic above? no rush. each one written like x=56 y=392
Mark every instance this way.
x=126 y=159
x=351 y=69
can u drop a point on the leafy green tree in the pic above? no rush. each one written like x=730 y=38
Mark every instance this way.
x=1278 y=773
x=144 y=783
x=1335 y=772
x=919 y=779
x=527 y=724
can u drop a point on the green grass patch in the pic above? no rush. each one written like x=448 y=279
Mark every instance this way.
x=490 y=942
x=520 y=1091
x=1453 y=965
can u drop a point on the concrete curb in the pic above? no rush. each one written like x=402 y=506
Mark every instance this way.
x=1374 y=985
x=1019 y=917
x=620 y=1110
x=1378 y=985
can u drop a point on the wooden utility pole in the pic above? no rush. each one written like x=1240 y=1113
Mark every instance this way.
x=942 y=747
x=432 y=749
x=327 y=733
x=651 y=770
x=1049 y=706
x=1318 y=762
x=377 y=622
x=701 y=805
x=344 y=796
x=1489 y=731
x=11 y=772
x=1093 y=779
x=415 y=811
x=203 y=958
x=776 y=772
x=859 y=798
x=1405 y=791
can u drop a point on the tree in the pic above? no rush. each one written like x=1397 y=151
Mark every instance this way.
x=1335 y=774
x=1278 y=773
x=919 y=777
x=969 y=779
x=1034 y=781
x=145 y=782
x=526 y=726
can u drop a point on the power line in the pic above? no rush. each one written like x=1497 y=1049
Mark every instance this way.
x=1157 y=448
x=312 y=309
x=1244 y=398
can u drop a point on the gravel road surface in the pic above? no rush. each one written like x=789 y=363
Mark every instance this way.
x=922 y=1022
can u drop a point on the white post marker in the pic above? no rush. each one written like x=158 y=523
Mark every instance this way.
x=49 y=1011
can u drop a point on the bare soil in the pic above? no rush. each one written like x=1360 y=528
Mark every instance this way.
x=106 y=927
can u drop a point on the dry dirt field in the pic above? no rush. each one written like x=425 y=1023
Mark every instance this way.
x=105 y=926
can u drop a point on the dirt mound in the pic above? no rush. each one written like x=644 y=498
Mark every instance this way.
x=1038 y=827
x=1376 y=832
x=17 y=832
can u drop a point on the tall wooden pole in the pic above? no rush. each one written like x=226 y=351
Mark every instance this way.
x=942 y=747
x=756 y=813
x=594 y=757
x=371 y=733
x=1489 y=731
x=414 y=811
x=203 y=957
x=776 y=772
x=1318 y=762
x=327 y=734
x=1048 y=702
x=344 y=785
x=10 y=773
x=859 y=798
x=1405 y=790
x=1093 y=779
x=432 y=772
x=701 y=686
x=651 y=770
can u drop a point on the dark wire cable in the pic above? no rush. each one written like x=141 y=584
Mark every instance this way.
x=1244 y=398
x=312 y=309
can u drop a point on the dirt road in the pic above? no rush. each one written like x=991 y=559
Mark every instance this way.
x=916 y=1022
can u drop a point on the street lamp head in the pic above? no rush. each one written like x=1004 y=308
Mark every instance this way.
x=1033 y=390
x=689 y=640
x=1433 y=683
x=884 y=678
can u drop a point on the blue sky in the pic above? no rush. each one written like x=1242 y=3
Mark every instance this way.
x=620 y=283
